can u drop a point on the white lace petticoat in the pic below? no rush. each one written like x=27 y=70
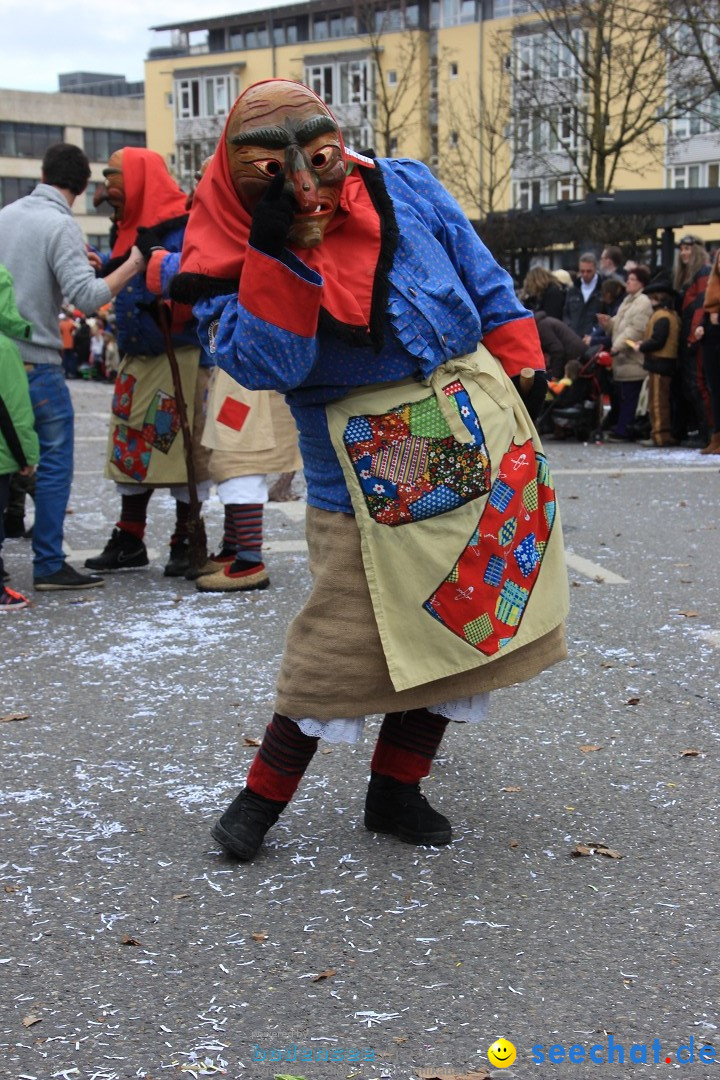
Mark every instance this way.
x=469 y=710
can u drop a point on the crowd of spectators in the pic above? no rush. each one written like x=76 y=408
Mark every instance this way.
x=647 y=341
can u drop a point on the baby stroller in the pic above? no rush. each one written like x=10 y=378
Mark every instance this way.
x=577 y=412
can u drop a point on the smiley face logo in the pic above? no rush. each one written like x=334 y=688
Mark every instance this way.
x=501 y=1054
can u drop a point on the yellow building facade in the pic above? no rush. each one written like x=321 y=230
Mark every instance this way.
x=445 y=81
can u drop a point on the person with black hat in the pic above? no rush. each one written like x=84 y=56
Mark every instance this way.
x=660 y=356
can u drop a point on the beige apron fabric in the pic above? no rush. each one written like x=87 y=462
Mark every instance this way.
x=250 y=432
x=334 y=664
x=145 y=442
x=469 y=585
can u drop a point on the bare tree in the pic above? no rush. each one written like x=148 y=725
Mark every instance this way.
x=399 y=104
x=593 y=81
x=693 y=37
x=476 y=164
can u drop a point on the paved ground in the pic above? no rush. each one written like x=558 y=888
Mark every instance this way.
x=129 y=946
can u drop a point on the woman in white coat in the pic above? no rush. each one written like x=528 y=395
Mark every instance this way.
x=626 y=328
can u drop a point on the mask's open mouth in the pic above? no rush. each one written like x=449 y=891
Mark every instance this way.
x=323 y=209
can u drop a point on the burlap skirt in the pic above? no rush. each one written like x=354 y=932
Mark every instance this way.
x=334 y=665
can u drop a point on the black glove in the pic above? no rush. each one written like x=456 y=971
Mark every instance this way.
x=272 y=218
x=534 y=397
x=148 y=240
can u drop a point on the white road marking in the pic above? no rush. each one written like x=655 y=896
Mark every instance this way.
x=296 y=512
x=293 y=510
x=90 y=553
x=274 y=547
x=593 y=570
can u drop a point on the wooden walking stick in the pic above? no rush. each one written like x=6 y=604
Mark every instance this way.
x=197 y=539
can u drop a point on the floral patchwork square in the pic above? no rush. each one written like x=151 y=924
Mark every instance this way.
x=409 y=464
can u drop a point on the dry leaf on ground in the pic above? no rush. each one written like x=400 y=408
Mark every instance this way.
x=14 y=716
x=610 y=853
x=588 y=748
x=689 y=614
x=128 y=940
x=30 y=1020
x=260 y=936
x=511 y=788
x=633 y=701
x=324 y=975
x=580 y=849
x=248 y=740
x=692 y=752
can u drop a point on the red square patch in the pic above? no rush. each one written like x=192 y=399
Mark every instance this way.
x=233 y=414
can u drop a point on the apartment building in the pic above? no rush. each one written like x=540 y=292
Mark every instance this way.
x=30 y=122
x=481 y=90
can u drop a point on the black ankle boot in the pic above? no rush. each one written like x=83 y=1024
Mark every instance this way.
x=179 y=562
x=403 y=811
x=241 y=829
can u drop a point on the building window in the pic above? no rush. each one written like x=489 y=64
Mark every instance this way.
x=28 y=140
x=13 y=187
x=453 y=69
x=342 y=83
x=99 y=241
x=503 y=8
x=103 y=210
x=561 y=189
x=209 y=96
x=393 y=146
x=685 y=176
x=320 y=28
x=190 y=156
x=99 y=143
x=392 y=78
x=453 y=138
x=713 y=175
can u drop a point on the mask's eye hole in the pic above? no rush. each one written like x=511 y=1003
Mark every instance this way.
x=269 y=167
x=325 y=156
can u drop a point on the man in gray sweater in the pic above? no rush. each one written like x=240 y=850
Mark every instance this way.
x=43 y=248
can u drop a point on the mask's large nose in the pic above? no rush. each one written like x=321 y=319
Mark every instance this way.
x=298 y=172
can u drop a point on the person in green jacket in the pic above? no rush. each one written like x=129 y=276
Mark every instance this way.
x=19 y=447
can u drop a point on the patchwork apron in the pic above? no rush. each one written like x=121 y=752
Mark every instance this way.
x=145 y=443
x=460 y=534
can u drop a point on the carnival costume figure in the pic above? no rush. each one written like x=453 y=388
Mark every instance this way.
x=145 y=442
x=248 y=434
x=357 y=287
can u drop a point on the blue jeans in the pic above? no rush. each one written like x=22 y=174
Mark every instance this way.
x=55 y=426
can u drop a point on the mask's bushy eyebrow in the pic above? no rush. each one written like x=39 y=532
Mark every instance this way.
x=274 y=138
x=316 y=125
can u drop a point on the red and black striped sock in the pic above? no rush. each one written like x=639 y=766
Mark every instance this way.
x=229 y=540
x=281 y=761
x=407 y=744
x=248 y=525
x=133 y=513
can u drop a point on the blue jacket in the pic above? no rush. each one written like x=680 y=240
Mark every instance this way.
x=137 y=331
x=446 y=292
